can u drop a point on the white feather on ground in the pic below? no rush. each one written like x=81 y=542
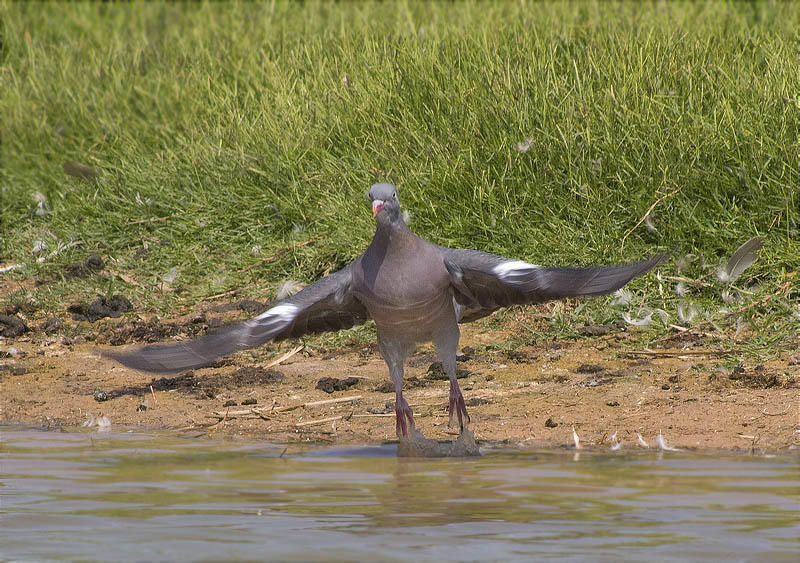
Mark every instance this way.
x=615 y=444
x=647 y=320
x=641 y=441
x=683 y=263
x=662 y=444
x=742 y=258
x=741 y=326
x=287 y=288
x=686 y=312
x=576 y=439
x=622 y=297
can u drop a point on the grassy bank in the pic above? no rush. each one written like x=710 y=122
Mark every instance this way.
x=221 y=135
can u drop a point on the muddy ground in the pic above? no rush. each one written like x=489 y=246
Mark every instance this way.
x=533 y=396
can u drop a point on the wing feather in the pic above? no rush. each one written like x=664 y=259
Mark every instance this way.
x=486 y=282
x=326 y=305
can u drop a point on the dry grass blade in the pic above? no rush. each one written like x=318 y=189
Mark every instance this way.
x=319 y=421
x=285 y=357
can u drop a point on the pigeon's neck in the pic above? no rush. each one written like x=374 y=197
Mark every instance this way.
x=390 y=229
x=390 y=234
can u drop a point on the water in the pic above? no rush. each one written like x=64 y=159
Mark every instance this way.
x=133 y=496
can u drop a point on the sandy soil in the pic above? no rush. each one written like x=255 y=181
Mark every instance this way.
x=528 y=397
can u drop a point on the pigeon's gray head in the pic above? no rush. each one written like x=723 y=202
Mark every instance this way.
x=385 y=203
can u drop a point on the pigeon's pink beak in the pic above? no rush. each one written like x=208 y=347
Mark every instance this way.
x=377 y=205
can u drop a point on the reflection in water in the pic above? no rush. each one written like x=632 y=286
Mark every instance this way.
x=136 y=496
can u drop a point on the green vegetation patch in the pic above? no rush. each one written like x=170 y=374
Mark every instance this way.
x=184 y=143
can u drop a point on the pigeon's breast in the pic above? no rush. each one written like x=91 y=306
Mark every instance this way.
x=407 y=295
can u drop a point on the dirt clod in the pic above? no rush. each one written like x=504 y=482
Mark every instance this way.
x=247 y=402
x=12 y=326
x=436 y=372
x=589 y=368
x=409 y=383
x=550 y=424
x=477 y=401
x=101 y=396
x=84 y=269
x=612 y=404
x=141 y=408
x=100 y=308
x=230 y=403
x=595 y=381
x=595 y=330
x=51 y=325
x=248 y=376
x=331 y=384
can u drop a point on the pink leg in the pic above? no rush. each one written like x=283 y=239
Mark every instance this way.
x=403 y=413
x=457 y=405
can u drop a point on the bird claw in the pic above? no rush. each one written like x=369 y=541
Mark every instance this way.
x=405 y=420
x=458 y=406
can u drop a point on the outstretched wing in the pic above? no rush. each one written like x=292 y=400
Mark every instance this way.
x=485 y=282
x=326 y=305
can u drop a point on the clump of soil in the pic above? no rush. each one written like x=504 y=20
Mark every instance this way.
x=51 y=325
x=20 y=306
x=589 y=368
x=596 y=330
x=408 y=383
x=247 y=305
x=245 y=376
x=436 y=372
x=12 y=326
x=84 y=269
x=100 y=308
x=759 y=378
x=518 y=356
x=151 y=330
x=331 y=384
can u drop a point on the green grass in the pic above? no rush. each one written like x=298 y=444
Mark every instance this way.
x=251 y=127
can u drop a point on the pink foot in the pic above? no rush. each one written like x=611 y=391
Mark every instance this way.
x=457 y=405
x=405 y=419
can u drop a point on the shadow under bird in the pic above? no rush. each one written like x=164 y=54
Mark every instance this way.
x=414 y=290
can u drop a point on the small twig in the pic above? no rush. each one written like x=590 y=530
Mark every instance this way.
x=218 y=295
x=274 y=256
x=319 y=421
x=687 y=280
x=647 y=213
x=150 y=220
x=332 y=401
x=154 y=395
x=245 y=412
x=379 y=415
x=315 y=404
x=285 y=357
x=668 y=354
x=765 y=413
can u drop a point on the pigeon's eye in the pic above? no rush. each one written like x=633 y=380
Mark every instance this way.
x=394 y=195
